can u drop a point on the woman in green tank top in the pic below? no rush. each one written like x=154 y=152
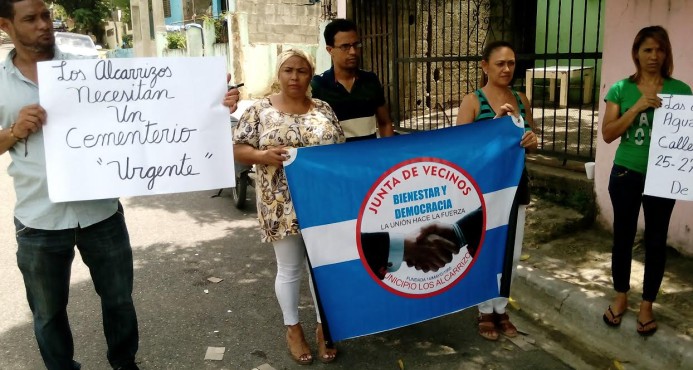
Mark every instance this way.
x=630 y=105
x=494 y=100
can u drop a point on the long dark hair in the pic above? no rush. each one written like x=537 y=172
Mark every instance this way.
x=489 y=49
x=492 y=46
x=660 y=35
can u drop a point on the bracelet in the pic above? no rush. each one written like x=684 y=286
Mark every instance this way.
x=12 y=135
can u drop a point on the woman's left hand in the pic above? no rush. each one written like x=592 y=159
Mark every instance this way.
x=506 y=109
x=529 y=140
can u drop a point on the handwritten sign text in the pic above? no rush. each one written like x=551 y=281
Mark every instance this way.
x=124 y=127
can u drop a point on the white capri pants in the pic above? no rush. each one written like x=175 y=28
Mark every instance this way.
x=291 y=262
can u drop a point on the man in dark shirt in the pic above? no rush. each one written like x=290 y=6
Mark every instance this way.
x=356 y=96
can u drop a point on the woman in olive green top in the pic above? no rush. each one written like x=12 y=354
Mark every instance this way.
x=630 y=105
x=496 y=99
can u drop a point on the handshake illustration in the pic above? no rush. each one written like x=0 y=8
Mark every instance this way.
x=427 y=249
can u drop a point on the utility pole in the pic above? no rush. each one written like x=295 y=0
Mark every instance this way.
x=231 y=58
x=115 y=25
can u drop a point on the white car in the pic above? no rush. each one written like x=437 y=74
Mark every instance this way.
x=59 y=25
x=77 y=44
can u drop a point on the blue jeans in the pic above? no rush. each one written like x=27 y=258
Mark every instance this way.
x=626 y=191
x=45 y=260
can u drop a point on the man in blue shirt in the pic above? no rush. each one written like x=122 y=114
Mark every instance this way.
x=356 y=96
x=48 y=232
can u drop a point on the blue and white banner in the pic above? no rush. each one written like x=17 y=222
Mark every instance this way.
x=363 y=208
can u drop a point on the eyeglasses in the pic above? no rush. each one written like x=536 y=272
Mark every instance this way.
x=346 y=47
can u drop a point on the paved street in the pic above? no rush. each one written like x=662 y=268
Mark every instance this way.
x=179 y=241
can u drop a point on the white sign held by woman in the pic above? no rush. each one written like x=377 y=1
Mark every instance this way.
x=670 y=163
x=137 y=126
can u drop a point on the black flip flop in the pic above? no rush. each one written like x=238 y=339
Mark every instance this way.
x=646 y=333
x=614 y=317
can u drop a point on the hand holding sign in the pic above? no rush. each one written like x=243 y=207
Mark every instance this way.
x=30 y=120
x=232 y=95
x=506 y=109
x=649 y=99
x=670 y=164
x=136 y=126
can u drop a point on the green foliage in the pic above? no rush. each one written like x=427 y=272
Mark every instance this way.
x=220 y=31
x=127 y=42
x=124 y=6
x=87 y=14
x=59 y=12
x=175 y=40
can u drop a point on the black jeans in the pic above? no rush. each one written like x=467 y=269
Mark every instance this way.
x=626 y=191
x=45 y=259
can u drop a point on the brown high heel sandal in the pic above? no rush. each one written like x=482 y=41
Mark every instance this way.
x=298 y=350
x=325 y=355
x=506 y=327
x=487 y=326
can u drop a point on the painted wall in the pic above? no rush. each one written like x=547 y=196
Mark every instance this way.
x=554 y=32
x=584 y=26
x=176 y=12
x=262 y=30
x=623 y=20
x=182 y=10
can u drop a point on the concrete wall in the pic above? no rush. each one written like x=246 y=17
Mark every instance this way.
x=438 y=28
x=260 y=30
x=263 y=29
x=113 y=37
x=430 y=37
x=148 y=29
x=623 y=20
x=283 y=21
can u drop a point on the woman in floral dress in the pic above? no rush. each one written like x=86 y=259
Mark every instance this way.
x=287 y=119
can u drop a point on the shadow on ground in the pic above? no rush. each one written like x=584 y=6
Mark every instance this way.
x=583 y=257
x=181 y=313
x=202 y=211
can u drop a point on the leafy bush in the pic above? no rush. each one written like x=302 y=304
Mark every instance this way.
x=175 y=40
x=220 y=28
x=89 y=19
x=127 y=41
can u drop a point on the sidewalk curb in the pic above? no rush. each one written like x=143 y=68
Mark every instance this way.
x=578 y=312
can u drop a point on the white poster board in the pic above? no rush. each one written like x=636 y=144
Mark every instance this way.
x=670 y=162
x=135 y=126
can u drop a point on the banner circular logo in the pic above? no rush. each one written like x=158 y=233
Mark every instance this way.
x=420 y=226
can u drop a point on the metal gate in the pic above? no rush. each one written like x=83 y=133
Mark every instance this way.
x=428 y=56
